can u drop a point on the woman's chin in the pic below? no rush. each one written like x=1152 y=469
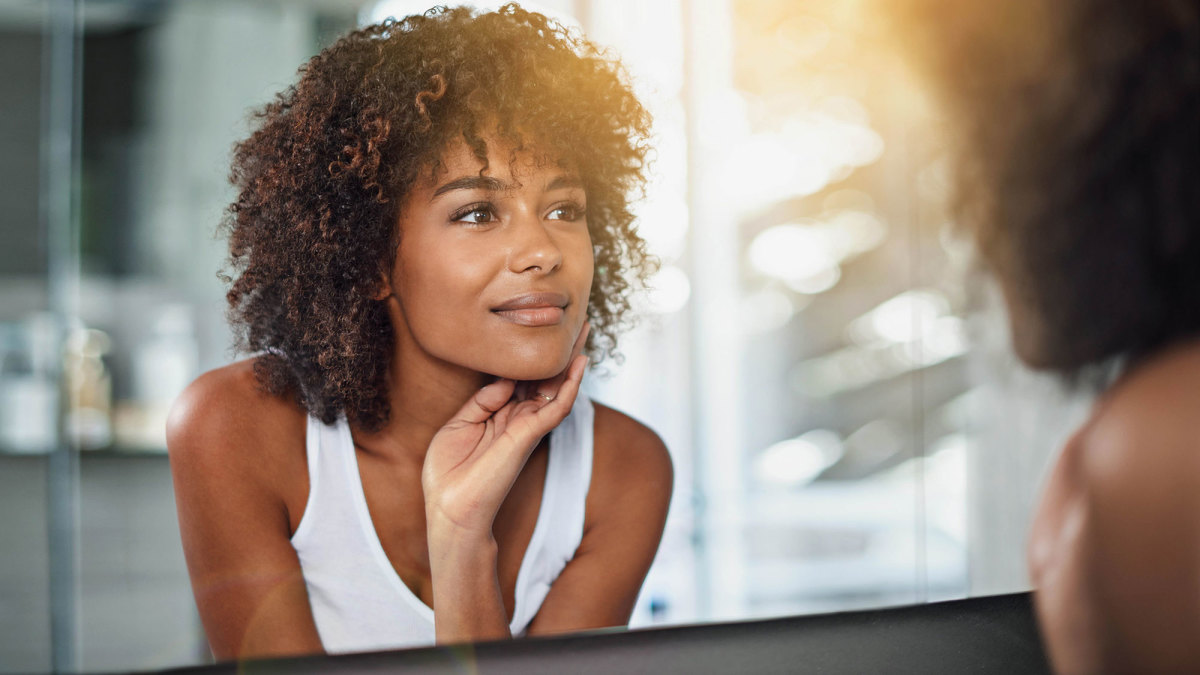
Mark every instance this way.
x=531 y=369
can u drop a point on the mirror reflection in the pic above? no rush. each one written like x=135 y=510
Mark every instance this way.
x=846 y=425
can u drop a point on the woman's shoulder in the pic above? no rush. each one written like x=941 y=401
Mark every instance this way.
x=622 y=439
x=1126 y=523
x=227 y=416
x=1147 y=425
x=631 y=463
x=1136 y=462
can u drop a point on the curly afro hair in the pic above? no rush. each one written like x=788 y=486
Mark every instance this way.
x=1080 y=170
x=322 y=178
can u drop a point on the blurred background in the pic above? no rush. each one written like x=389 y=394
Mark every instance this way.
x=829 y=369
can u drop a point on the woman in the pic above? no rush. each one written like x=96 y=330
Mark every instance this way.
x=1082 y=122
x=425 y=226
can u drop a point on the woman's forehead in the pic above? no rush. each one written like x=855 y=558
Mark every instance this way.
x=507 y=160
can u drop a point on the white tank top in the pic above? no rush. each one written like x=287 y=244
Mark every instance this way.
x=358 y=601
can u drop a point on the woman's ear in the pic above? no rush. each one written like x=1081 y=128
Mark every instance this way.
x=383 y=288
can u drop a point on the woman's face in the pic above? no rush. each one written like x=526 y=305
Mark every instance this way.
x=493 y=271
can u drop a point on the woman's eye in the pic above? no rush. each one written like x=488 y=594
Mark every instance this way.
x=475 y=215
x=567 y=212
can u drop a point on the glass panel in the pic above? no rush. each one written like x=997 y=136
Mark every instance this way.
x=845 y=328
x=166 y=90
x=847 y=424
x=38 y=471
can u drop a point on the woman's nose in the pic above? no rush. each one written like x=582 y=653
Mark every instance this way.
x=533 y=246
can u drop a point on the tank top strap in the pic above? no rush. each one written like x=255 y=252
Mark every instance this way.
x=324 y=466
x=572 y=453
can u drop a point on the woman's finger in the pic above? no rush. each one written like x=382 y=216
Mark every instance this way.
x=528 y=424
x=547 y=390
x=559 y=405
x=485 y=403
x=544 y=417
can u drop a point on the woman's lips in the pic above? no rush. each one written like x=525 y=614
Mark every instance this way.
x=532 y=316
x=533 y=309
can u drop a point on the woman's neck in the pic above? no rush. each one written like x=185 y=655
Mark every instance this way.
x=423 y=394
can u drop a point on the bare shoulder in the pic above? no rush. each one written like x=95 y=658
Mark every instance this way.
x=1134 y=545
x=1145 y=432
x=241 y=482
x=225 y=418
x=1132 y=470
x=626 y=446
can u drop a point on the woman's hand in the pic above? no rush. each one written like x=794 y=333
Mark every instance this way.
x=471 y=464
x=474 y=459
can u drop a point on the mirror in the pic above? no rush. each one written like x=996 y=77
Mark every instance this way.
x=848 y=427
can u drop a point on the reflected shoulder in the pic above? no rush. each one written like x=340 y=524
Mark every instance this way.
x=1145 y=431
x=1139 y=490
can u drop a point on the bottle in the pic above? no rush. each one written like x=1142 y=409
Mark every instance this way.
x=89 y=388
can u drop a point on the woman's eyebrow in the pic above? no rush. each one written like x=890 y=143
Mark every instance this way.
x=471 y=183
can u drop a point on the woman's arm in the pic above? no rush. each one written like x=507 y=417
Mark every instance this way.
x=232 y=459
x=470 y=466
x=626 y=512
